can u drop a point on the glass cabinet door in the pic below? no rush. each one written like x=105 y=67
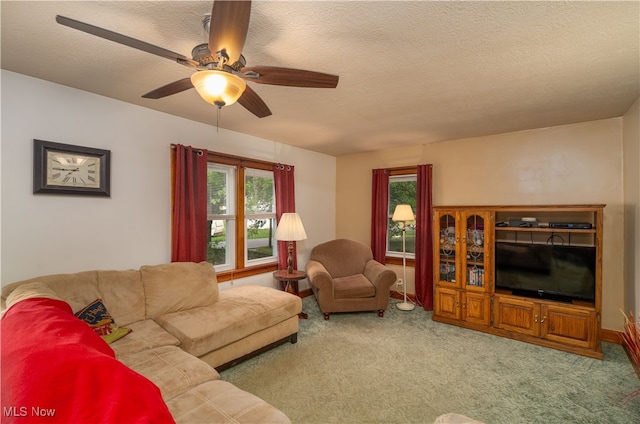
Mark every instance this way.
x=446 y=245
x=474 y=244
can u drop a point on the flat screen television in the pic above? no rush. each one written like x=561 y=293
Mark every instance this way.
x=563 y=273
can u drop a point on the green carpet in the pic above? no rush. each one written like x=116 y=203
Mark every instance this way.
x=405 y=368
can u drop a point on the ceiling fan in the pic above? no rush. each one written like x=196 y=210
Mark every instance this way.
x=219 y=60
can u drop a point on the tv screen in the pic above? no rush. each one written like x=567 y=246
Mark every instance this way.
x=549 y=271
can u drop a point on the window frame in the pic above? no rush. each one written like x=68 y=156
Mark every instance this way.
x=397 y=259
x=240 y=268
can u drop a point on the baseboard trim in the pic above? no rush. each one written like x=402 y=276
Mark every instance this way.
x=611 y=336
x=306 y=292
x=400 y=296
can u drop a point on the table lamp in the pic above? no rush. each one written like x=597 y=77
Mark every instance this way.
x=290 y=229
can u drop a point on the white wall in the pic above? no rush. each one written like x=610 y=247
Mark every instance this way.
x=46 y=234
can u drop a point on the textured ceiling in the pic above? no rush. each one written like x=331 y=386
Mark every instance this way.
x=410 y=72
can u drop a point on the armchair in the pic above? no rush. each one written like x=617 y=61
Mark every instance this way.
x=344 y=277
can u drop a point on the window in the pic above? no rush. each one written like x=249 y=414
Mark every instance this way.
x=402 y=191
x=241 y=216
x=221 y=215
x=260 y=216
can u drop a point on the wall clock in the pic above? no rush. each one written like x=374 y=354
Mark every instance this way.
x=68 y=169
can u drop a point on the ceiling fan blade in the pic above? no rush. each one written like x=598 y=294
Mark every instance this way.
x=126 y=40
x=228 y=27
x=253 y=103
x=274 y=75
x=169 y=89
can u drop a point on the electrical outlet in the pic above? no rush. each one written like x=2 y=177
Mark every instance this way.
x=399 y=283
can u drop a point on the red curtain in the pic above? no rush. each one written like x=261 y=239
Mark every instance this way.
x=379 y=214
x=189 y=226
x=285 y=202
x=424 y=245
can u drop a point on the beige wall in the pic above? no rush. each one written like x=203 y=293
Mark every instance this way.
x=571 y=164
x=631 y=149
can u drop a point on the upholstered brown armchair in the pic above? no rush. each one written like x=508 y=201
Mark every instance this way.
x=345 y=278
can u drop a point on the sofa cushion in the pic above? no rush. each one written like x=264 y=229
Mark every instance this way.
x=178 y=286
x=123 y=294
x=239 y=312
x=146 y=335
x=222 y=402
x=354 y=286
x=98 y=318
x=170 y=368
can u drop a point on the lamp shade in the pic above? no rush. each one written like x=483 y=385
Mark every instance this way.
x=403 y=213
x=219 y=88
x=290 y=228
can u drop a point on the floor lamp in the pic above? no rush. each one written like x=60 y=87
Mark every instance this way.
x=290 y=229
x=403 y=213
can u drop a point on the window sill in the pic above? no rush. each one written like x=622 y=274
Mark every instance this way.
x=392 y=260
x=246 y=272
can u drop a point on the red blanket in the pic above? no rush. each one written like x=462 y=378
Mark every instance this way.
x=55 y=369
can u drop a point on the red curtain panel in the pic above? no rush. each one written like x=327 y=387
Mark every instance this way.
x=424 y=240
x=283 y=183
x=189 y=226
x=379 y=214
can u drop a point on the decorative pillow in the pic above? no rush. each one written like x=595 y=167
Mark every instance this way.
x=99 y=319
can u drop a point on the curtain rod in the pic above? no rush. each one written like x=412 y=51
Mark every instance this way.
x=236 y=158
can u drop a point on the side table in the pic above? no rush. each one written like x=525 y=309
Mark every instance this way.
x=285 y=278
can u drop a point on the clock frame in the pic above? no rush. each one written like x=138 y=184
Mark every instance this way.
x=67 y=169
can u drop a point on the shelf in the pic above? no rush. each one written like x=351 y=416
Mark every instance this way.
x=546 y=230
x=450 y=247
x=475 y=249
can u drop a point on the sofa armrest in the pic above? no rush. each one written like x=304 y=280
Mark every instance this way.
x=318 y=275
x=30 y=290
x=380 y=275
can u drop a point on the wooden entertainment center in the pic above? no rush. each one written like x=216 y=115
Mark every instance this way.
x=465 y=294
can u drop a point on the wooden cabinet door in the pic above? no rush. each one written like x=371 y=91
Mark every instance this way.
x=446 y=244
x=520 y=316
x=569 y=326
x=476 y=308
x=447 y=303
x=475 y=232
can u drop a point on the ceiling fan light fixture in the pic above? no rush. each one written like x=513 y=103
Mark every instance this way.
x=217 y=87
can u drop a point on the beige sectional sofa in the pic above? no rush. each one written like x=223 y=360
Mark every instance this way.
x=183 y=329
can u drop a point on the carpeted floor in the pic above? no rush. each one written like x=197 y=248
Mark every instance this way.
x=405 y=368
